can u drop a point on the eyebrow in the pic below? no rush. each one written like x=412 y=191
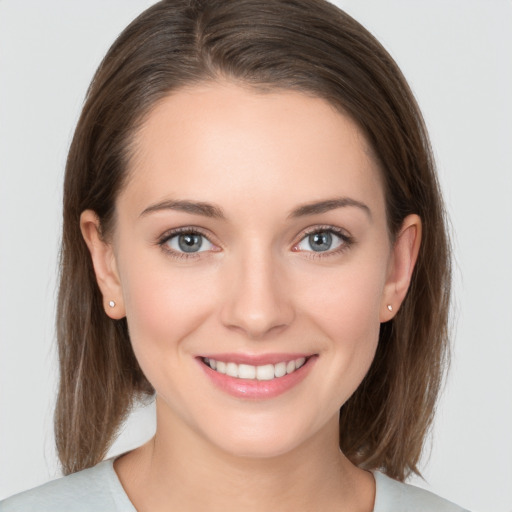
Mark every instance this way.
x=195 y=207
x=213 y=211
x=327 y=205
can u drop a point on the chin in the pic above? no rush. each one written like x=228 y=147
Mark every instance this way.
x=260 y=448
x=262 y=439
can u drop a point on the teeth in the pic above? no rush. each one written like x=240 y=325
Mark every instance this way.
x=265 y=372
x=280 y=369
x=247 y=371
x=290 y=367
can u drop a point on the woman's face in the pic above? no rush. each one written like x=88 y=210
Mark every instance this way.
x=251 y=236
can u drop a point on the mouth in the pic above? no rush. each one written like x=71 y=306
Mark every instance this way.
x=256 y=377
x=265 y=372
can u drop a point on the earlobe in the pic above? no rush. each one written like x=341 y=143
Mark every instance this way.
x=403 y=259
x=104 y=263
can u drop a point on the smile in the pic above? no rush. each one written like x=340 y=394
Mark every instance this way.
x=247 y=371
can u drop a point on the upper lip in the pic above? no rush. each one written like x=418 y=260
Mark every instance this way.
x=256 y=359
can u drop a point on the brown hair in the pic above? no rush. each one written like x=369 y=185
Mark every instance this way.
x=304 y=45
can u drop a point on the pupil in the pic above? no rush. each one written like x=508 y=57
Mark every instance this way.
x=190 y=242
x=320 y=241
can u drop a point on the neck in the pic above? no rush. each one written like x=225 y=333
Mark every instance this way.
x=179 y=470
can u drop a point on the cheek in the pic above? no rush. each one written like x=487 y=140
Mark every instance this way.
x=349 y=299
x=163 y=304
x=347 y=312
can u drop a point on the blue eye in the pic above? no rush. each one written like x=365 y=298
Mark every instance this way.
x=322 y=241
x=189 y=242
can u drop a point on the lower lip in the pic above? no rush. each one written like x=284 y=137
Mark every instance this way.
x=258 y=389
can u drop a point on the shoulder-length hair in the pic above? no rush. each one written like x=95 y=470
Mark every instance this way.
x=302 y=45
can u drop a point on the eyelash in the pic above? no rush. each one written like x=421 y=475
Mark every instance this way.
x=347 y=242
x=168 y=235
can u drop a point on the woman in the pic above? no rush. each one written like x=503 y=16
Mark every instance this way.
x=253 y=231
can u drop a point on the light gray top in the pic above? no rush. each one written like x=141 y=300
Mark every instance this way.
x=98 y=489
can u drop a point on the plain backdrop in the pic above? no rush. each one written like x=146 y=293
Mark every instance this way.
x=457 y=56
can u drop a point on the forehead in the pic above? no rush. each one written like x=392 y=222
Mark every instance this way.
x=220 y=140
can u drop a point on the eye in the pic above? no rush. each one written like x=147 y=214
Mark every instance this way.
x=188 y=242
x=323 y=240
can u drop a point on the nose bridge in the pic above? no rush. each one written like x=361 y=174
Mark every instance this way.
x=256 y=301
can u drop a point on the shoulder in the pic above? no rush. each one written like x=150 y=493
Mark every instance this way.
x=92 y=489
x=394 y=496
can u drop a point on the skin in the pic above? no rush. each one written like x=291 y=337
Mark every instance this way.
x=256 y=287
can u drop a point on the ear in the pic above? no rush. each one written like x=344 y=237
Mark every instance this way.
x=401 y=265
x=104 y=263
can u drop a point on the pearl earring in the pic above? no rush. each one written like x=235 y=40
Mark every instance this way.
x=112 y=304
x=390 y=307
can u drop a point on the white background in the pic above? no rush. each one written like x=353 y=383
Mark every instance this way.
x=457 y=55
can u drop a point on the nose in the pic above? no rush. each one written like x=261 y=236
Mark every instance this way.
x=257 y=300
